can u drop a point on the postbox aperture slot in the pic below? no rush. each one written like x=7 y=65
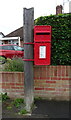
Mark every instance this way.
x=42 y=33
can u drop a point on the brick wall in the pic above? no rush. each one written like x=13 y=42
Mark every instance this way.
x=51 y=82
x=13 y=83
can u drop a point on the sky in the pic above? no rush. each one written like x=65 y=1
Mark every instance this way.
x=11 y=11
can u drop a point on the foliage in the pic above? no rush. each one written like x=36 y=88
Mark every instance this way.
x=9 y=107
x=61 y=37
x=37 y=98
x=17 y=102
x=4 y=96
x=23 y=111
x=16 y=64
x=2 y=60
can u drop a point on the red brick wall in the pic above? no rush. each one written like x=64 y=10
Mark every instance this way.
x=13 y=83
x=51 y=82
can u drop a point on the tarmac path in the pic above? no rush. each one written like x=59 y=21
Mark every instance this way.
x=44 y=110
x=54 y=109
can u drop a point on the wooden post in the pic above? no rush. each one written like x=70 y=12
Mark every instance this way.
x=28 y=54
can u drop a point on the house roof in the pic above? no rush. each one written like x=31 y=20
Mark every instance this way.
x=17 y=33
x=2 y=34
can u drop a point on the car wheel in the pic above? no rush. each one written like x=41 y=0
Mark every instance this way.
x=2 y=60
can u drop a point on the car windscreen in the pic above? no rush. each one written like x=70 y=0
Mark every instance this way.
x=18 y=48
x=6 y=48
x=0 y=47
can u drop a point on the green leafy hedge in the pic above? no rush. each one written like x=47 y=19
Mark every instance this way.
x=61 y=37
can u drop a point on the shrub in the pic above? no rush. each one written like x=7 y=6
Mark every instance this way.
x=17 y=102
x=4 y=96
x=16 y=64
x=23 y=111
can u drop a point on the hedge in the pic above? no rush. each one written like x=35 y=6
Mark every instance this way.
x=61 y=37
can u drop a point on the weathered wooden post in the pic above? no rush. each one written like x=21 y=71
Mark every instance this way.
x=28 y=57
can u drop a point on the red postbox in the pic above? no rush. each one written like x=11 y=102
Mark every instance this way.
x=42 y=45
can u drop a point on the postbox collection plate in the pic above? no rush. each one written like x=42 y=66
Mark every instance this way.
x=42 y=53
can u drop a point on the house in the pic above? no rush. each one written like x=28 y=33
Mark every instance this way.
x=69 y=6
x=1 y=36
x=10 y=40
x=15 y=37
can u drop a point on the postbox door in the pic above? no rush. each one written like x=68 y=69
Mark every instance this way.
x=42 y=53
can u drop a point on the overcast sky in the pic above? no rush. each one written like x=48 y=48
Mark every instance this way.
x=11 y=11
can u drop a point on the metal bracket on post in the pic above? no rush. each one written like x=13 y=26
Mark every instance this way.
x=29 y=43
x=28 y=59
